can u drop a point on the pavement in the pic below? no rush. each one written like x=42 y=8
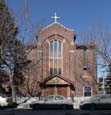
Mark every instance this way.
x=54 y=112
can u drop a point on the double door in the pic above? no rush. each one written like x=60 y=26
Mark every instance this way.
x=55 y=90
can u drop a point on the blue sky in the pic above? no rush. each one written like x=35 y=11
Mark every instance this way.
x=75 y=14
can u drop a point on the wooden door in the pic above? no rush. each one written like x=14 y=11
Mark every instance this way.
x=62 y=91
x=49 y=91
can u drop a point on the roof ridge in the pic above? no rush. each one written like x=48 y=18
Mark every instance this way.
x=59 y=24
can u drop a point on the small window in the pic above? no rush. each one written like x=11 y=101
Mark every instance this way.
x=103 y=97
x=50 y=98
x=58 y=98
x=59 y=71
x=55 y=71
x=109 y=96
x=51 y=71
x=87 y=90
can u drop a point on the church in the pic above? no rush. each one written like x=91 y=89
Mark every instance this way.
x=64 y=67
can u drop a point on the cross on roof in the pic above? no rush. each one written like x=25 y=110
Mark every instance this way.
x=55 y=17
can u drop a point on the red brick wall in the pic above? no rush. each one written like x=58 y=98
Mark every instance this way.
x=72 y=58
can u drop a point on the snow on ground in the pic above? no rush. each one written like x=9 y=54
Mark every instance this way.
x=3 y=101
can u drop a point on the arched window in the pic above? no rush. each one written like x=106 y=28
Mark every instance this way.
x=55 y=49
x=55 y=57
x=87 y=91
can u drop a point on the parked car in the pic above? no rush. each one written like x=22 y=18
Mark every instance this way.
x=97 y=102
x=53 y=102
x=6 y=101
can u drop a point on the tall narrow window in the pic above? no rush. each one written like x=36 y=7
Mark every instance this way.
x=84 y=59
x=55 y=57
x=55 y=49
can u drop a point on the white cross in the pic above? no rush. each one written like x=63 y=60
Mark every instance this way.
x=55 y=17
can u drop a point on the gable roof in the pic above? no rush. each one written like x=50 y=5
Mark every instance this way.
x=59 y=25
x=59 y=76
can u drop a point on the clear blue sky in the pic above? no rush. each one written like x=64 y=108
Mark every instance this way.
x=75 y=14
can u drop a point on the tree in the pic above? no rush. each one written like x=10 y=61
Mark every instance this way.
x=102 y=37
x=14 y=47
x=12 y=51
x=8 y=32
x=30 y=86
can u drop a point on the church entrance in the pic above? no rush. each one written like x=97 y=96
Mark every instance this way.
x=57 y=85
x=55 y=90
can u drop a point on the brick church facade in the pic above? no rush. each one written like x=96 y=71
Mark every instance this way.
x=64 y=67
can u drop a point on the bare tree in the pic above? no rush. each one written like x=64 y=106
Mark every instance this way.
x=101 y=36
x=13 y=49
x=8 y=32
x=30 y=85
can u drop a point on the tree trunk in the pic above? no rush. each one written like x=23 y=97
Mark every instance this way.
x=12 y=86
